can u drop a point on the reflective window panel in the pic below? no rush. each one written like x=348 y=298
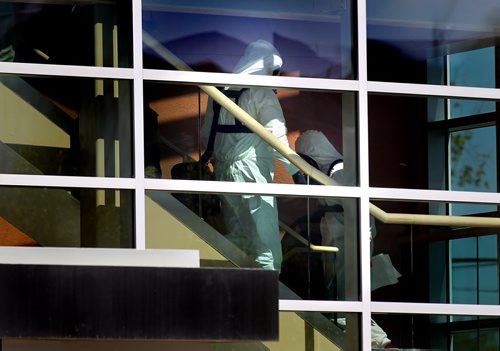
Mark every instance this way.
x=449 y=258
x=436 y=332
x=89 y=33
x=449 y=43
x=318 y=331
x=433 y=143
x=318 y=125
x=293 y=38
x=313 y=242
x=65 y=126
x=57 y=217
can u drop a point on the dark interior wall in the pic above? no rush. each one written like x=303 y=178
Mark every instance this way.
x=397 y=141
x=398 y=159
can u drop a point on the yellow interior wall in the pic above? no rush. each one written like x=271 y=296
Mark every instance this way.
x=21 y=123
x=164 y=231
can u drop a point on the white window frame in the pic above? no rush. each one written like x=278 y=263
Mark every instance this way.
x=364 y=193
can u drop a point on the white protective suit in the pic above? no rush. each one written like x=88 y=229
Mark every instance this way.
x=252 y=220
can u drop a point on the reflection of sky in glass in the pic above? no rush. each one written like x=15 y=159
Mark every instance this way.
x=488 y=270
x=472 y=68
x=416 y=27
x=463 y=270
x=213 y=36
x=474 y=270
x=479 y=149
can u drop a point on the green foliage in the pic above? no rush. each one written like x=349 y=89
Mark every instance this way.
x=465 y=173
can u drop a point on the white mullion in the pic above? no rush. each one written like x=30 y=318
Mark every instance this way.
x=250 y=80
x=140 y=203
x=251 y=188
x=66 y=181
x=320 y=306
x=34 y=69
x=434 y=195
x=435 y=309
x=433 y=90
x=364 y=219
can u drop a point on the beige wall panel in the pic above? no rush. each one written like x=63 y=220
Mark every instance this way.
x=163 y=231
x=21 y=123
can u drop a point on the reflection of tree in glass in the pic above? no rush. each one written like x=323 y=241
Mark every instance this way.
x=464 y=173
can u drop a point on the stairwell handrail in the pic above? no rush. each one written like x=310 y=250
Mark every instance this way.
x=304 y=241
x=295 y=159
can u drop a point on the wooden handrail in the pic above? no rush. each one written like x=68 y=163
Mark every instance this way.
x=300 y=238
x=294 y=158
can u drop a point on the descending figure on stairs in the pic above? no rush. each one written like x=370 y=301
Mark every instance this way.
x=240 y=155
x=317 y=150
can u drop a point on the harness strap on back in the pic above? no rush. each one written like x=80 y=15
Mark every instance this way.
x=238 y=127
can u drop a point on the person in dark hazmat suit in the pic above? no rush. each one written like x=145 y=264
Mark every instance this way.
x=319 y=152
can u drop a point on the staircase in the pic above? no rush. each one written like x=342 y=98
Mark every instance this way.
x=188 y=231
x=169 y=224
x=22 y=106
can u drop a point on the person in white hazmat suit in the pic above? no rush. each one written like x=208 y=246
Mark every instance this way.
x=240 y=155
x=317 y=150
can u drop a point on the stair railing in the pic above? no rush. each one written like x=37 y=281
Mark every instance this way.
x=306 y=168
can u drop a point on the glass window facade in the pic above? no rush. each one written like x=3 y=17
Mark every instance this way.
x=66 y=126
x=443 y=332
x=315 y=38
x=354 y=149
x=66 y=217
x=66 y=33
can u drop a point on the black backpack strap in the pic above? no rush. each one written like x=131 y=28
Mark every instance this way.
x=211 y=137
x=238 y=127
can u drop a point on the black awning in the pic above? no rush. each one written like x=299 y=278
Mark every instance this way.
x=97 y=302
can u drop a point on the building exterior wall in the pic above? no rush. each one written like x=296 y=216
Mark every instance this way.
x=96 y=116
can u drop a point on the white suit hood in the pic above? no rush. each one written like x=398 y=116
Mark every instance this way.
x=261 y=58
x=314 y=144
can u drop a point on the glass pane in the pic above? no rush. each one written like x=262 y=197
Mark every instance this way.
x=489 y=340
x=414 y=42
x=312 y=38
x=410 y=148
x=466 y=340
x=303 y=238
x=464 y=268
x=474 y=271
x=65 y=126
x=90 y=33
x=56 y=217
x=319 y=125
x=464 y=71
x=488 y=270
x=422 y=332
x=316 y=330
x=473 y=163
x=433 y=259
